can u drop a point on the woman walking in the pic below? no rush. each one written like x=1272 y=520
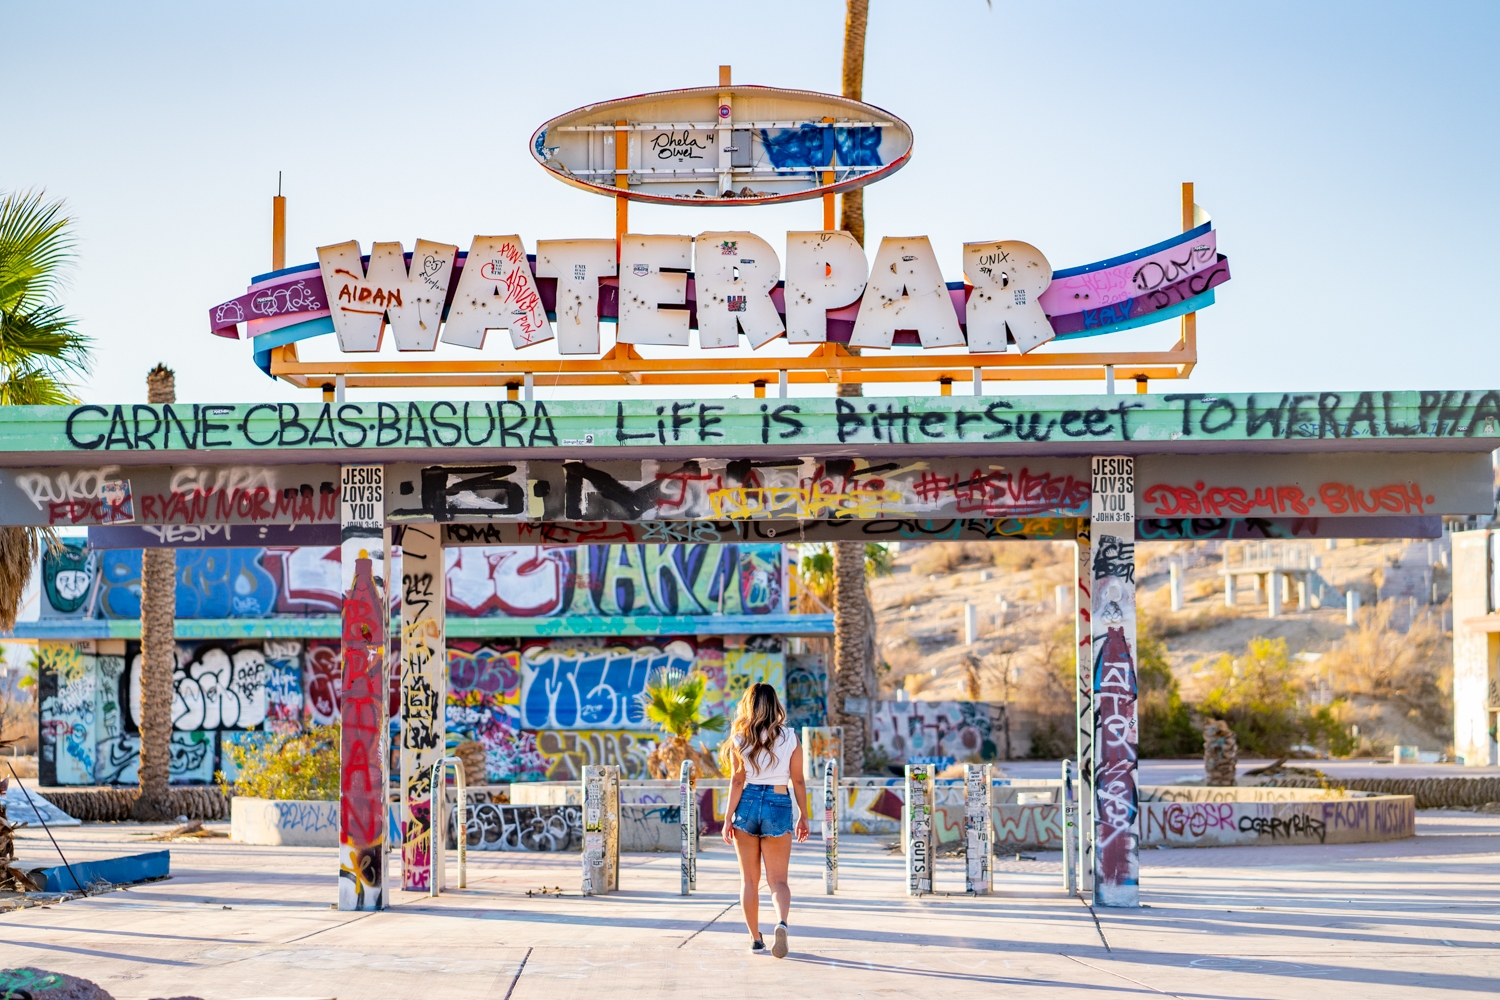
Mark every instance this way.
x=764 y=760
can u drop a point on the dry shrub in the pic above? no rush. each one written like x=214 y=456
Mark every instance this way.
x=938 y=557
x=1165 y=624
x=1021 y=556
x=1413 y=669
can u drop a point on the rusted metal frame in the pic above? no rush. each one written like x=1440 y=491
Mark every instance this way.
x=994 y=365
x=1189 y=341
x=714 y=378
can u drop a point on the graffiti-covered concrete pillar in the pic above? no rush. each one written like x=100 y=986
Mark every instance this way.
x=1083 y=610
x=1116 y=732
x=424 y=692
x=362 y=766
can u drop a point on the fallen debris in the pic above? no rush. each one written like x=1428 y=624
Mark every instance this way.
x=544 y=891
x=187 y=831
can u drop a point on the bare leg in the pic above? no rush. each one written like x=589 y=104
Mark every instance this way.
x=777 y=854
x=747 y=848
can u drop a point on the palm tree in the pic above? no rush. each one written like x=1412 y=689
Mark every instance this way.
x=852 y=219
x=817 y=570
x=40 y=350
x=853 y=673
x=673 y=700
x=158 y=650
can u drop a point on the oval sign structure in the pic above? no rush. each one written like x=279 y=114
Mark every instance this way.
x=737 y=145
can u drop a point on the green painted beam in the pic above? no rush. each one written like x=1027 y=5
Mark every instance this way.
x=327 y=627
x=953 y=425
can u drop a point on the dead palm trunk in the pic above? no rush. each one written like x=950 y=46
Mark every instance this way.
x=158 y=649
x=853 y=674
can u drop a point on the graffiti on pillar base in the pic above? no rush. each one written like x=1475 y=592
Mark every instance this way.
x=1116 y=728
x=362 y=781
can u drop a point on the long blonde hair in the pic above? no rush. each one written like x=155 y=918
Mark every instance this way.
x=757 y=725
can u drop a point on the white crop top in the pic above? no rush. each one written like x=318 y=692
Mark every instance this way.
x=772 y=770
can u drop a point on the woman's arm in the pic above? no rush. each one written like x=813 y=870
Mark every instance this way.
x=799 y=793
x=736 y=789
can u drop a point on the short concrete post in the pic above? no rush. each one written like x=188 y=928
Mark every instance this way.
x=971 y=624
x=916 y=829
x=687 y=798
x=1257 y=587
x=440 y=826
x=1069 y=817
x=1286 y=589
x=1351 y=607
x=1062 y=600
x=601 y=829
x=1273 y=597
x=830 y=825
x=1229 y=590
x=1304 y=598
x=1176 y=585
x=979 y=830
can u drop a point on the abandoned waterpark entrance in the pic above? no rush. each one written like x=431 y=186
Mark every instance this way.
x=1101 y=471
x=642 y=476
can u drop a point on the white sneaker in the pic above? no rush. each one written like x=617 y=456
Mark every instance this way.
x=778 y=950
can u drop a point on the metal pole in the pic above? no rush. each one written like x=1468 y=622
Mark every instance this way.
x=830 y=825
x=461 y=828
x=686 y=782
x=438 y=832
x=1068 y=816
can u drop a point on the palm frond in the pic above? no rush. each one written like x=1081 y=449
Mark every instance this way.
x=40 y=349
x=34 y=388
x=672 y=699
x=43 y=337
x=35 y=244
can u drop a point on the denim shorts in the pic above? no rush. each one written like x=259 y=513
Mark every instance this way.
x=763 y=812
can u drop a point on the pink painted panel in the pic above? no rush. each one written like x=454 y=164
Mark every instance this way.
x=1137 y=277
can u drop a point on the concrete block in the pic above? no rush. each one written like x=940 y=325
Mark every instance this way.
x=284 y=822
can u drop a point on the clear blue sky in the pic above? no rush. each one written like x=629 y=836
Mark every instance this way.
x=1346 y=151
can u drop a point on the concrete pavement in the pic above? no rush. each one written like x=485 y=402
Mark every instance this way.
x=1401 y=919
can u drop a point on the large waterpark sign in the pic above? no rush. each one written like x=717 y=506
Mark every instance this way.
x=728 y=145
x=726 y=285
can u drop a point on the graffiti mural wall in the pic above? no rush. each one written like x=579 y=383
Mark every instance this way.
x=918 y=731
x=500 y=581
x=545 y=708
x=91 y=708
x=542 y=708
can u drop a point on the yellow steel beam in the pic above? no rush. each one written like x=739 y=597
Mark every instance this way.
x=828 y=363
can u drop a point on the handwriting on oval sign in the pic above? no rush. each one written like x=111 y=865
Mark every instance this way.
x=668 y=146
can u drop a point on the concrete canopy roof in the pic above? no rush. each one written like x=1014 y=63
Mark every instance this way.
x=890 y=427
